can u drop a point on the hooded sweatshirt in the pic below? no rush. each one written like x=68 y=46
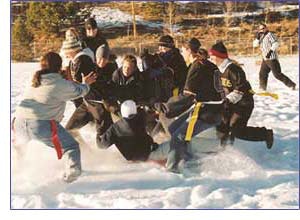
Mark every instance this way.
x=48 y=101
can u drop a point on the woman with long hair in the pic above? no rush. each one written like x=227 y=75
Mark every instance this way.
x=39 y=114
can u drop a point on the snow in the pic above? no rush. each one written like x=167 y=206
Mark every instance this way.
x=244 y=176
x=283 y=9
x=113 y=17
x=107 y=17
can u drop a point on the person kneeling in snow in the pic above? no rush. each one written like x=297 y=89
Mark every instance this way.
x=239 y=101
x=192 y=112
x=130 y=136
x=39 y=114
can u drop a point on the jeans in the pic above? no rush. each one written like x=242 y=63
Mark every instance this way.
x=27 y=129
x=178 y=145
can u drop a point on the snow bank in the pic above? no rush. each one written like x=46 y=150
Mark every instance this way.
x=112 y=17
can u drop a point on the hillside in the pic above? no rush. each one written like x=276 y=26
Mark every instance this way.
x=206 y=21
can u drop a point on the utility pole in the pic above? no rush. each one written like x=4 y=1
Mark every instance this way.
x=133 y=20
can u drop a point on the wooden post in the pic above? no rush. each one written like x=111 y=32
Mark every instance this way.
x=133 y=20
x=171 y=17
x=291 y=45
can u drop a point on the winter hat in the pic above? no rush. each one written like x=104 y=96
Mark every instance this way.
x=166 y=41
x=102 y=52
x=91 y=23
x=194 y=44
x=72 y=44
x=219 y=50
x=128 y=108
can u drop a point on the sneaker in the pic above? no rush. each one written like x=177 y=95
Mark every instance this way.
x=71 y=175
x=269 y=138
x=261 y=89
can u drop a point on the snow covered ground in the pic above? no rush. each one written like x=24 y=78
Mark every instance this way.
x=113 y=17
x=284 y=10
x=245 y=176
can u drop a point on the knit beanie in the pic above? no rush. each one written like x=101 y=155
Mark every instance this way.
x=219 y=50
x=194 y=44
x=102 y=52
x=71 y=44
x=166 y=41
x=91 y=23
x=128 y=108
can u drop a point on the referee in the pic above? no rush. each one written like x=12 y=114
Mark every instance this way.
x=268 y=44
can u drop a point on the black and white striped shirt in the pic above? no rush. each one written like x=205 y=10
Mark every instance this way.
x=268 y=42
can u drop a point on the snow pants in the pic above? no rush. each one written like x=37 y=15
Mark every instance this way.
x=234 y=123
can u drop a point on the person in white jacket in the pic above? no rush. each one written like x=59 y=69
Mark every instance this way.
x=269 y=44
x=39 y=113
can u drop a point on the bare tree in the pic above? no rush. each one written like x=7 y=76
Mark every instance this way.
x=268 y=6
x=229 y=5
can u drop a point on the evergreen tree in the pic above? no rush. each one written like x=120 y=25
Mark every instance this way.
x=50 y=17
x=154 y=9
x=20 y=33
x=21 y=40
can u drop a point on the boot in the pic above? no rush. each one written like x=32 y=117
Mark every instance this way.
x=269 y=138
x=72 y=165
x=71 y=175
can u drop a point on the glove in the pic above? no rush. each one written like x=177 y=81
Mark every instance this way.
x=258 y=35
x=269 y=54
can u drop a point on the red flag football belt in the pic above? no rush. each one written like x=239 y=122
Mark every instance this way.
x=55 y=139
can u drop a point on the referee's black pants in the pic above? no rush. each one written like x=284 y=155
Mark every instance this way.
x=274 y=66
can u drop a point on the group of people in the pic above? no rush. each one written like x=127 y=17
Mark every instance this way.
x=185 y=91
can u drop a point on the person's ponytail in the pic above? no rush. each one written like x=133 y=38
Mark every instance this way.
x=36 y=80
x=50 y=63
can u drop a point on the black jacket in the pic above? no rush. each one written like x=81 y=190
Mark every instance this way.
x=204 y=79
x=158 y=78
x=234 y=78
x=94 y=42
x=104 y=77
x=175 y=61
x=130 y=137
x=127 y=88
x=82 y=64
